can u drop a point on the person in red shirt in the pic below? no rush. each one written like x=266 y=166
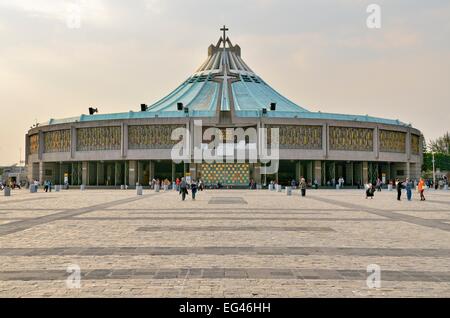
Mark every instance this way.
x=421 y=187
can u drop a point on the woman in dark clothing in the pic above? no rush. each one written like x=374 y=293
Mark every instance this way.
x=399 y=189
x=193 y=189
x=370 y=191
x=183 y=189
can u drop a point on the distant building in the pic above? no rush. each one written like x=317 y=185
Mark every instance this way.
x=14 y=173
x=224 y=92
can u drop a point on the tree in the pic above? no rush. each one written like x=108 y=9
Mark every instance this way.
x=441 y=144
x=424 y=144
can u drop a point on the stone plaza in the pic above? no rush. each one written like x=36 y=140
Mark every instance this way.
x=227 y=243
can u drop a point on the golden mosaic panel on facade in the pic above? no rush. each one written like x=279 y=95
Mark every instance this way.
x=57 y=141
x=415 y=144
x=392 y=141
x=351 y=139
x=294 y=136
x=99 y=138
x=151 y=136
x=34 y=144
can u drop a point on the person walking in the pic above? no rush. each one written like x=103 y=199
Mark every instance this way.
x=421 y=187
x=408 y=189
x=194 y=189
x=302 y=186
x=379 y=184
x=399 y=189
x=183 y=189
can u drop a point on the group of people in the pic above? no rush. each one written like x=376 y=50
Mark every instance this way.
x=159 y=183
x=12 y=185
x=407 y=185
x=183 y=187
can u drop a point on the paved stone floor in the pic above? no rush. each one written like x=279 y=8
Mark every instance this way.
x=227 y=243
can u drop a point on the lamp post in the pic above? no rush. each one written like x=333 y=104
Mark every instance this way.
x=434 y=172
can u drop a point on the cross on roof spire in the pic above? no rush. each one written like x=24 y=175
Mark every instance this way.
x=224 y=29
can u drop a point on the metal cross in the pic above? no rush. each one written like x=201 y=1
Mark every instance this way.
x=224 y=29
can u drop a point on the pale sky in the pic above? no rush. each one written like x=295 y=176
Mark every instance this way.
x=318 y=53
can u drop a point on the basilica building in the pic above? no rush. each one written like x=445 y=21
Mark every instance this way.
x=129 y=148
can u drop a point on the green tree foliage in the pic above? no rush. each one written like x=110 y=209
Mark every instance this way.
x=442 y=162
x=440 y=145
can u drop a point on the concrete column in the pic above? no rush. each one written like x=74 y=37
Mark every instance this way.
x=41 y=172
x=117 y=180
x=325 y=140
x=151 y=170
x=257 y=173
x=85 y=173
x=318 y=171
x=101 y=173
x=349 y=173
x=132 y=173
x=124 y=143
x=408 y=146
x=310 y=172
x=192 y=170
x=376 y=143
x=41 y=145
x=365 y=172
x=73 y=142
x=173 y=172
x=408 y=169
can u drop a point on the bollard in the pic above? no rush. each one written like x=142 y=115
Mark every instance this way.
x=57 y=188
x=166 y=187
x=139 y=190
x=82 y=187
x=288 y=191
x=337 y=187
x=156 y=188
x=446 y=187
x=280 y=188
x=389 y=187
x=270 y=187
x=7 y=191
x=122 y=187
x=33 y=188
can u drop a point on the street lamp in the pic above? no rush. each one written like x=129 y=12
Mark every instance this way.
x=434 y=172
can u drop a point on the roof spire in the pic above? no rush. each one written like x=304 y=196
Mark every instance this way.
x=224 y=29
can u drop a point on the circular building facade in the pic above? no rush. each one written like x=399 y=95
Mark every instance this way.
x=135 y=147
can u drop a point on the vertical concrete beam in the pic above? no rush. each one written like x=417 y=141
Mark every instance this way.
x=318 y=171
x=325 y=145
x=173 y=171
x=132 y=173
x=408 y=169
x=41 y=172
x=85 y=173
x=365 y=172
x=124 y=140
x=151 y=170
x=310 y=172
x=376 y=143
x=41 y=145
x=73 y=142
